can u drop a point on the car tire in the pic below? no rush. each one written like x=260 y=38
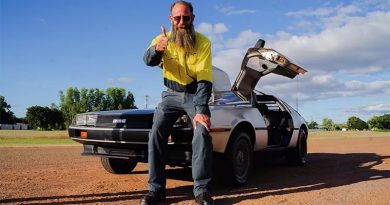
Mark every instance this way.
x=239 y=159
x=298 y=155
x=117 y=166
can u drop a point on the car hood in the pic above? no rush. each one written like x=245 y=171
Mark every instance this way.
x=259 y=62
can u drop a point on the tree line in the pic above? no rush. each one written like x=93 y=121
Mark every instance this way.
x=355 y=123
x=72 y=102
x=76 y=101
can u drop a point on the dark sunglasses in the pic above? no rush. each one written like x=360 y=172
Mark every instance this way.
x=185 y=18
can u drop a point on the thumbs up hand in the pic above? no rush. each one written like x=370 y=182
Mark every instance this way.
x=162 y=41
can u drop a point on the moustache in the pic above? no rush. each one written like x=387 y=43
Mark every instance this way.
x=186 y=27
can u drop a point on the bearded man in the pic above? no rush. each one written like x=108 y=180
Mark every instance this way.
x=185 y=58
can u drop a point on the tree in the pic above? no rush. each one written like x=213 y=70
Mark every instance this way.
x=87 y=100
x=312 y=125
x=355 y=123
x=45 y=118
x=380 y=122
x=337 y=127
x=6 y=115
x=328 y=124
x=115 y=98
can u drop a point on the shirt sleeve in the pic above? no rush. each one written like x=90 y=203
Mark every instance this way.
x=204 y=80
x=151 y=56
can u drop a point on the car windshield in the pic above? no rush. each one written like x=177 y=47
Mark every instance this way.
x=227 y=97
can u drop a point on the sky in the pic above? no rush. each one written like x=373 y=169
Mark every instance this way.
x=48 y=46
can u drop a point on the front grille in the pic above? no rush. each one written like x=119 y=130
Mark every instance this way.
x=143 y=121
x=139 y=121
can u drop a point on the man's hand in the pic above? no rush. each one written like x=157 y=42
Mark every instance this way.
x=202 y=119
x=163 y=41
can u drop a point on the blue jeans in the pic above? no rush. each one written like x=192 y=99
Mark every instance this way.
x=172 y=106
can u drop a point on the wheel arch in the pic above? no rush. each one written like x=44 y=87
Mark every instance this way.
x=304 y=128
x=247 y=128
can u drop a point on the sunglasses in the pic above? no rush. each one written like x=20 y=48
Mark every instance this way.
x=185 y=18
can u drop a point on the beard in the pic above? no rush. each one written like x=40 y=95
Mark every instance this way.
x=184 y=36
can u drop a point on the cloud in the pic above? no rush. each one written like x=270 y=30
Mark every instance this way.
x=214 y=33
x=323 y=79
x=370 y=110
x=359 y=46
x=231 y=10
x=210 y=29
x=119 y=80
x=346 y=55
x=378 y=108
x=245 y=39
x=323 y=86
x=311 y=12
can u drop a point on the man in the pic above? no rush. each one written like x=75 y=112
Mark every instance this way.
x=185 y=57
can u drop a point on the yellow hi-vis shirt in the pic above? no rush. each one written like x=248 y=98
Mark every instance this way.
x=182 y=70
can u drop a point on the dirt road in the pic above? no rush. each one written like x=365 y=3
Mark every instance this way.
x=339 y=171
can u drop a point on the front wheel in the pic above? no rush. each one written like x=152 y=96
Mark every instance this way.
x=239 y=158
x=117 y=166
x=298 y=155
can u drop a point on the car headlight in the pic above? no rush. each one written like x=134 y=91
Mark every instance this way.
x=81 y=119
x=91 y=119
x=86 y=119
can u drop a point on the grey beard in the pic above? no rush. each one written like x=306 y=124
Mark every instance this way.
x=184 y=38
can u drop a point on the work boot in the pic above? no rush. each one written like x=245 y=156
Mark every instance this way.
x=204 y=199
x=152 y=198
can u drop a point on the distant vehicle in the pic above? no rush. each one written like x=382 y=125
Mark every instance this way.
x=243 y=121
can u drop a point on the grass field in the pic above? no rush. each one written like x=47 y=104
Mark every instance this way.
x=32 y=137
x=347 y=134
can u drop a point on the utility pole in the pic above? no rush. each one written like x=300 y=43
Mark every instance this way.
x=146 y=101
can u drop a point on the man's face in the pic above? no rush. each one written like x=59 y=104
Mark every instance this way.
x=181 y=16
x=183 y=33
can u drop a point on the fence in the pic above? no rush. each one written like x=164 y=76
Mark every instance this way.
x=19 y=126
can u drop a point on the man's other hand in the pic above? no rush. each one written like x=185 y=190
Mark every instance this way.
x=202 y=119
x=162 y=41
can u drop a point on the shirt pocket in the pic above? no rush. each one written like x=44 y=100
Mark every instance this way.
x=191 y=58
x=171 y=61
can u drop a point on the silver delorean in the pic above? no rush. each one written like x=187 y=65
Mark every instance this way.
x=243 y=121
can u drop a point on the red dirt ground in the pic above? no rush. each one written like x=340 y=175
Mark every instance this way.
x=339 y=171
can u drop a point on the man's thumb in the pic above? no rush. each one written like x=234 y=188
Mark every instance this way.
x=164 y=33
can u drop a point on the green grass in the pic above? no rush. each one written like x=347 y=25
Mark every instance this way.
x=34 y=133
x=347 y=134
x=33 y=137
x=33 y=141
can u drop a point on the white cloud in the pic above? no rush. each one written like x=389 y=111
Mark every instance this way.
x=205 y=28
x=348 y=57
x=214 y=33
x=378 y=108
x=370 y=110
x=322 y=79
x=231 y=10
x=120 y=80
x=220 y=28
x=245 y=39
x=359 y=46
x=311 y=12
x=210 y=29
